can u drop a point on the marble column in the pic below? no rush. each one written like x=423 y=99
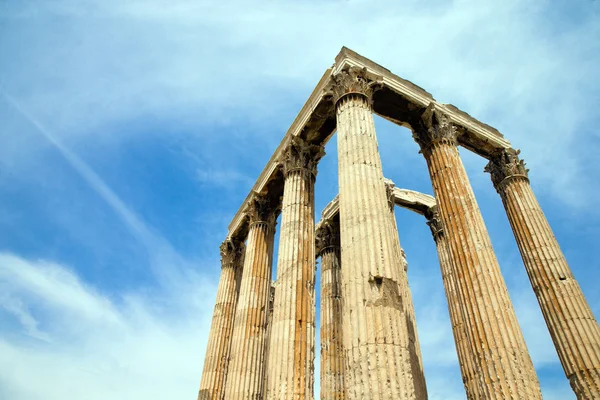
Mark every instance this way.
x=332 y=356
x=379 y=356
x=570 y=320
x=496 y=344
x=268 y=334
x=413 y=337
x=245 y=377
x=459 y=331
x=216 y=361
x=291 y=356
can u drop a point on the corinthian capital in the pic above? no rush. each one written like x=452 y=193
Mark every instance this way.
x=434 y=221
x=434 y=127
x=261 y=209
x=232 y=253
x=506 y=164
x=301 y=155
x=353 y=80
x=327 y=236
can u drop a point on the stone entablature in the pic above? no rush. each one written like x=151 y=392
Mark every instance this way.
x=317 y=117
x=418 y=202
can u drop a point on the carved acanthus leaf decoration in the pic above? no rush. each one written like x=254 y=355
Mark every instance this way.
x=506 y=164
x=232 y=253
x=353 y=80
x=261 y=209
x=327 y=236
x=301 y=155
x=435 y=126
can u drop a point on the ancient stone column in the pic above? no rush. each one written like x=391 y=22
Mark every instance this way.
x=459 y=329
x=380 y=359
x=245 y=377
x=332 y=351
x=570 y=320
x=291 y=355
x=268 y=333
x=496 y=344
x=413 y=337
x=214 y=373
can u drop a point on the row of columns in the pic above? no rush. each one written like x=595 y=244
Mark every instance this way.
x=369 y=339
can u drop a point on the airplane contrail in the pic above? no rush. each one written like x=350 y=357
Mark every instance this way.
x=158 y=248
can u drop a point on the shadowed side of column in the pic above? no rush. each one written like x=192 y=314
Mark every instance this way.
x=467 y=368
x=245 y=377
x=332 y=356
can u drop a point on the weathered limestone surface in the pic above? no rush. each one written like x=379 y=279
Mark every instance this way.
x=496 y=344
x=214 y=373
x=380 y=359
x=332 y=351
x=415 y=347
x=268 y=334
x=459 y=328
x=570 y=320
x=245 y=377
x=291 y=354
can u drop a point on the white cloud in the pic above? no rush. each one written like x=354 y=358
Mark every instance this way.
x=117 y=61
x=91 y=70
x=99 y=348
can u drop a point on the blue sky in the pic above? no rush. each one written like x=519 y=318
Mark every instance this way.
x=131 y=131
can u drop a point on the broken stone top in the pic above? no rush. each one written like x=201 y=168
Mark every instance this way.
x=231 y=253
x=389 y=191
x=506 y=164
x=434 y=222
x=301 y=156
x=327 y=236
x=435 y=126
x=261 y=210
x=353 y=80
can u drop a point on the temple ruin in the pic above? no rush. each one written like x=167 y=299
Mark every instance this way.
x=262 y=339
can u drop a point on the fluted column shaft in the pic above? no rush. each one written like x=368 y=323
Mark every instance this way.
x=379 y=352
x=569 y=318
x=268 y=335
x=291 y=353
x=459 y=329
x=216 y=361
x=245 y=377
x=415 y=346
x=332 y=355
x=496 y=343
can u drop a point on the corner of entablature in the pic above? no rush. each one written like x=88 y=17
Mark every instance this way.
x=504 y=164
